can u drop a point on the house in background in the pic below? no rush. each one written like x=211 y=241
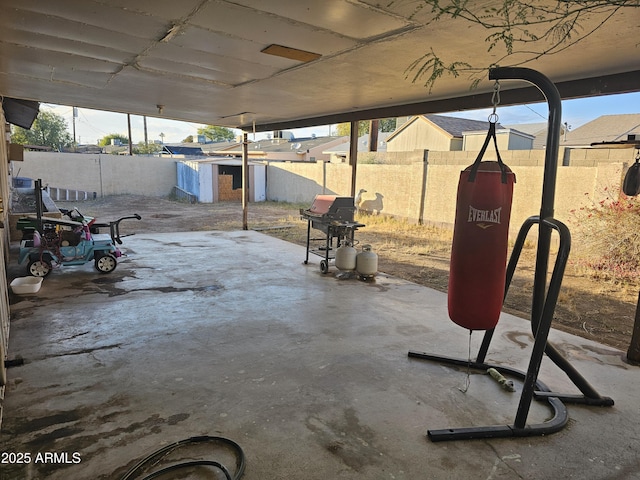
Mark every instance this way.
x=445 y=133
x=605 y=130
x=339 y=153
x=432 y=132
x=284 y=149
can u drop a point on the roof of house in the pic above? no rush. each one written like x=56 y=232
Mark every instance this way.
x=285 y=145
x=267 y=145
x=363 y=144
x=456 y=126
x=182 y=150
x=453 y=126
x=607 y=128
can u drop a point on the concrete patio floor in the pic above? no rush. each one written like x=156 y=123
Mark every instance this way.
x=230 y=334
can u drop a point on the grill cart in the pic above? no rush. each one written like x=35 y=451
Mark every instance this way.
x=333 y=216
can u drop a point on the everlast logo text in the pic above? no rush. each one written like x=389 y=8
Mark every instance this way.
x=484 y=216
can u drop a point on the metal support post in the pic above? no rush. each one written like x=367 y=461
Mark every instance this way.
x=633 y=354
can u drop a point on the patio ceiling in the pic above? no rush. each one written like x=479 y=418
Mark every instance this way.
x=204 y=61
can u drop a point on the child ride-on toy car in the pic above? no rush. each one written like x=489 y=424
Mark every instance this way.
x=71 y=242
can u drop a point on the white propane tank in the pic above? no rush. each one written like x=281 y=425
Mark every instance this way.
x=367 y=262
x=346 y=256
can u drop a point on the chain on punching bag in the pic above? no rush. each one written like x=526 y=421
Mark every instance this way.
x=480 y=240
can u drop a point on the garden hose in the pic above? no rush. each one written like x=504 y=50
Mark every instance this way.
x=156 y=456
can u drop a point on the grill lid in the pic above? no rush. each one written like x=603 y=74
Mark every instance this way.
x=331 y=208
x=322 y=204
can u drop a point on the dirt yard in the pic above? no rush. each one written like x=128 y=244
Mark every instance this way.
x=591 y=308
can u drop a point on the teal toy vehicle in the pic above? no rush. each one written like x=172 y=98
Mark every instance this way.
x=56 y=242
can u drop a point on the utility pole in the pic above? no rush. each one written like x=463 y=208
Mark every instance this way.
x=245 y=181
x=75 y=115
x=129 y=127
x=374 y=125
x=353 y=155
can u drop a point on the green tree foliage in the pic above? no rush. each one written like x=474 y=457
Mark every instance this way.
x=388 y=124
x=519 y=31
x=142 y=149
x=385 y=125
x=106 y=140
x=48 y=130
x=189 y=139
x=217 y=134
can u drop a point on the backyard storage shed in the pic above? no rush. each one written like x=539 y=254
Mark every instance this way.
x=220 y=180
x=508 y=139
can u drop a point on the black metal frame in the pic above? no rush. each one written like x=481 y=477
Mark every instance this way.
x=339 y=230
x=543 y=301
x=114 y=227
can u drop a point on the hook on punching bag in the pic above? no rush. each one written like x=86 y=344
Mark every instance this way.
x=480 y=240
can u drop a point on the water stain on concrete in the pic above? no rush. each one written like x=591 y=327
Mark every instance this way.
x=515 y=337
x=69 y=431
x=177 y=418
x=111 y=288
x=585 y=352
x=347 y=439
x=412 y=330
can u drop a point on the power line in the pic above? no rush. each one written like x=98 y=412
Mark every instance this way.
x=540 y=115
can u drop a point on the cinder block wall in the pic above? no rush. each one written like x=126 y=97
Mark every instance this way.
x=104 y=174
x=301 y=182
x=401 y=186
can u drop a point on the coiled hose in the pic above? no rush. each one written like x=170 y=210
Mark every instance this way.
x=158 y=454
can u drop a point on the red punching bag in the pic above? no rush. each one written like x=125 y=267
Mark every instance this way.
x=480 y=239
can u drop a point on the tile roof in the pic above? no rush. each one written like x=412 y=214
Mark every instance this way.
x=455 y=125
x=607 y=128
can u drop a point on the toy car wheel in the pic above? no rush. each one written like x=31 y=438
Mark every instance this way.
x=39 y=268
x=106 y=263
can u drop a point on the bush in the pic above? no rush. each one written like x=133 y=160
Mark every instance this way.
x=607 y=238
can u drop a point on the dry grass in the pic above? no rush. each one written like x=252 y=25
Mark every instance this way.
x=607 y=240
x=588 y=306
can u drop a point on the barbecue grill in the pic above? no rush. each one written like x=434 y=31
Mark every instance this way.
x=333 y=216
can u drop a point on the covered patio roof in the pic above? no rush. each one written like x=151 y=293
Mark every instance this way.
x=260 y=65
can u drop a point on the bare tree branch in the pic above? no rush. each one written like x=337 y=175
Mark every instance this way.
x=530 y=28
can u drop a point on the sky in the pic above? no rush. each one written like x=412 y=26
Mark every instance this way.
x=92 y=125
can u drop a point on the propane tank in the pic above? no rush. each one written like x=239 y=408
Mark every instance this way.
x=367 y=262
x=346 y=256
